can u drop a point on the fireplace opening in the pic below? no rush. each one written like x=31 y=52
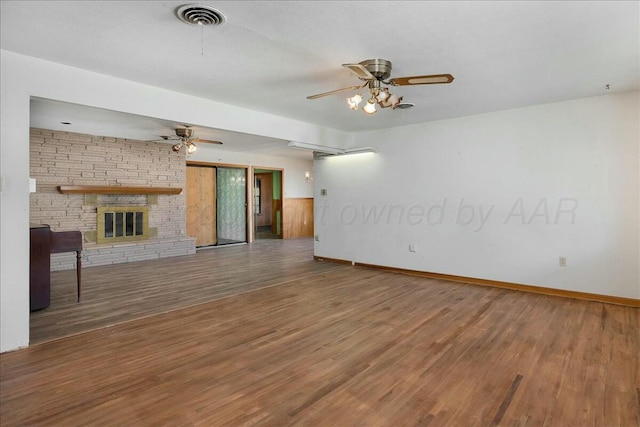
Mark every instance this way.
x=122 y=223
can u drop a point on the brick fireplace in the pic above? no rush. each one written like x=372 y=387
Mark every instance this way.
x=71 y=159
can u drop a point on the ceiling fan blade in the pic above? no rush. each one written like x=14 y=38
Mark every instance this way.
x=346 y=89
x=164 y=139
x=422 y=80
x=360 y=71
x=207 y=141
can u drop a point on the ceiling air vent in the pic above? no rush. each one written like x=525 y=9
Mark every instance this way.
x=197 y=14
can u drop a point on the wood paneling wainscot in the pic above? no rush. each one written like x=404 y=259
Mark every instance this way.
x=297 y=218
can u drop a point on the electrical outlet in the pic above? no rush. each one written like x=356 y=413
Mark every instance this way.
x=316 y=238
x=562 y=261
x=323 y=192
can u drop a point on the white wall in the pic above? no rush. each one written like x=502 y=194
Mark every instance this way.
x=585 y=150
x=497 y=196
x=22 y=77
x=14 y=208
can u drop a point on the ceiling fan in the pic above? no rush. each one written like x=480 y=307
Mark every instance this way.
x=375 y=73
x=187 y=139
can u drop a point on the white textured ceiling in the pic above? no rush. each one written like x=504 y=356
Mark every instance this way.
x=270 y=55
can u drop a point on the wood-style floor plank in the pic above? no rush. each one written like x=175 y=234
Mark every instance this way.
x=344 y=346
x=114 y=294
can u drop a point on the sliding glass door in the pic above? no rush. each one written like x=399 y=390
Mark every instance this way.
x=231 y=205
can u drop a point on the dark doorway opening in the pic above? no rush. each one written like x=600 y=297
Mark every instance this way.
x=267 y=203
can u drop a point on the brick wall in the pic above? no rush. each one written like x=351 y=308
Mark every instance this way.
x=65 y=158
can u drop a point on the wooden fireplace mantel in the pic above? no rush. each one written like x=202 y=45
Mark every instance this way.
x=96 y=189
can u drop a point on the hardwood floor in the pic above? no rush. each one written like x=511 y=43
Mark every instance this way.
x=333 y=345
x=264 y=232
x=118 y=293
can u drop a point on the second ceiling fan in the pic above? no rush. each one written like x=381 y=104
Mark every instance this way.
x=187 y=139
x=375 y=73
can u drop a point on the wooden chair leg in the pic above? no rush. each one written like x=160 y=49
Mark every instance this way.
x=78 y=270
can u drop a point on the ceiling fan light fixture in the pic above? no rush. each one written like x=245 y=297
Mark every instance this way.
x=394 y=101
x=382 y=95
x=370 y=106
x=191 y=147
x=354 y=101
x=375 y=73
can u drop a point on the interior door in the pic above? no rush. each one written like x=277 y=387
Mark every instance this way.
x=201 y=205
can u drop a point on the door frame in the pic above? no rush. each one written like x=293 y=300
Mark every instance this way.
x=253 y=178
x=248 y=190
